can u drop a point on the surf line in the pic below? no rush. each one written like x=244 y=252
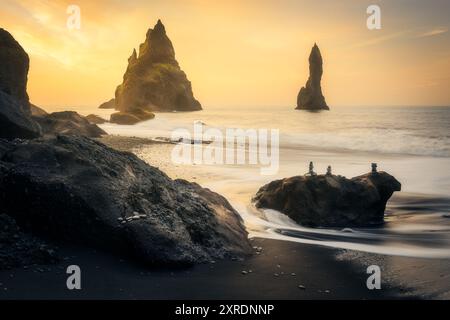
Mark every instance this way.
x=212 y=146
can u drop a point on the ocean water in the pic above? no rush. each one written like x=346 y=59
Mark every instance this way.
x=411 y=143
x=400 y=130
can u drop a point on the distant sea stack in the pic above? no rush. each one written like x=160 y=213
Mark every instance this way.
x=310 y=97
x=153 y=81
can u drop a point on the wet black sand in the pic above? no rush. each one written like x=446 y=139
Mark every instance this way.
x=283 y=270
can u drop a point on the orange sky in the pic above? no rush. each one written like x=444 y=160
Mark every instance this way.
x=239 y=53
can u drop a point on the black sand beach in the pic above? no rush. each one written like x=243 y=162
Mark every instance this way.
x=283 y=270
x=220 y=188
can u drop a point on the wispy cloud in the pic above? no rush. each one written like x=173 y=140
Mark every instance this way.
x=401 y=34
x=433 y=32
x=381 y=39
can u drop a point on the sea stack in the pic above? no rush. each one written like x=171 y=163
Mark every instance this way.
x=153 y=81
x=310 y=96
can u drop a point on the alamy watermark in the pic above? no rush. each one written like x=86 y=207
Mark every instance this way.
x=229 y=146
x=374 y=280
x=73 y=282
x=74 y=19
x=374 y=20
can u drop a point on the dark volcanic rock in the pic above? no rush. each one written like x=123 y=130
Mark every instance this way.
x=68 y=122
x=153 y=80
x=95 y=119
x=14 y=65
x=310 y=97
x=76 y=190
x=19 y=249
x=130 y=118
x=15 y=119
x=330 y=201
x=111 y=104
x=37 y=111
x=15 y=115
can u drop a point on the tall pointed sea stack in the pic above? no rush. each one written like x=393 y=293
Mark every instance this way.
x=310 y=97
x=153 y=81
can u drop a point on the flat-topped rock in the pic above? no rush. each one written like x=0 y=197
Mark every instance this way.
x=69 y=123
x=330 y=200
x=130 y=118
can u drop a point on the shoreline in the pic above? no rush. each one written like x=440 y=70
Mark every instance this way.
x=395 y=278
x=281 y=270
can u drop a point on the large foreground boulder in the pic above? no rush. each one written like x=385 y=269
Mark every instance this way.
x=15 y=114
x=69 y=123
x=154 y=80
x=76 y=190
x=15 y=119
x=19 y=249
x=329 y=200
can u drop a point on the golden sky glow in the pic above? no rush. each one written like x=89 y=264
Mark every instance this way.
x=239 y=53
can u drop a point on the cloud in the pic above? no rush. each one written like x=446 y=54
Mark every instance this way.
x=396 y=35
x=381 y=39
x=433 y=32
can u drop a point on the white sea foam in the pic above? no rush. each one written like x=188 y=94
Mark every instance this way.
x=410 y=143
x=411 y=131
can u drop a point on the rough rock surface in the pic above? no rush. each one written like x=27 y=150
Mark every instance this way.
x=19 y=249
x=76 y=190
x=153 y=80
x=15 y=119
x=95 y=119
x=15 y=115
x=111 y=104
x=310 y=97
x=37 y=111
x=14 y=67
x=130 y=118
x=329 y=200
x=68 y=122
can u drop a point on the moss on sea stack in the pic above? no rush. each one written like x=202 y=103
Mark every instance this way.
x=153 y=80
